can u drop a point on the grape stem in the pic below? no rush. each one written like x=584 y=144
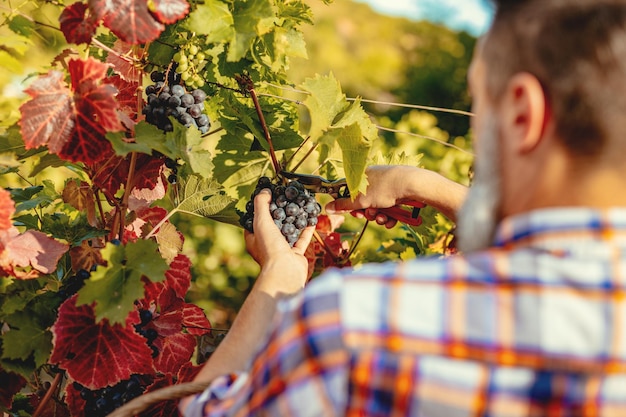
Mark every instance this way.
x=358 y=240
x=46 y=398
x=246 y=83
x=127 y=190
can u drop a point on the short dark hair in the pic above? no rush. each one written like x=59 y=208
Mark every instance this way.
x=577 y=50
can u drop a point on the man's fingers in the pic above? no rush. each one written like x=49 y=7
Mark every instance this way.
x=304 y=240
x=340 y=205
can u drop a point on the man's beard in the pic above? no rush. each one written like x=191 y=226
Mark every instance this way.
x=478 y=217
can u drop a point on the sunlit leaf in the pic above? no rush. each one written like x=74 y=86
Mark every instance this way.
x=212 y=19
x=252 y=18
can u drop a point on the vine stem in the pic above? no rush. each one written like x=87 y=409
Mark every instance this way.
x=266 y=131
x=48 y=396
x=358 y=240
x=129 y=186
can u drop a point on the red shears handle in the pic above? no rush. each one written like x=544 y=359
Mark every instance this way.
x=409 y=215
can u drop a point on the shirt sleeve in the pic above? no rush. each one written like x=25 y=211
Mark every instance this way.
x=301 y=370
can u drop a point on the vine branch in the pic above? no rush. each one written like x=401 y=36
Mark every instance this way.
x=44 y=401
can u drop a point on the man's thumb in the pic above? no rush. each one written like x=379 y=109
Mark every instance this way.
x=340 y=205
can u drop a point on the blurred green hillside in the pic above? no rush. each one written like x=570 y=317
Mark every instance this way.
x=389 y=59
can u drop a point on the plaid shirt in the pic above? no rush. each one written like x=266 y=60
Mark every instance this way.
x=535 y=326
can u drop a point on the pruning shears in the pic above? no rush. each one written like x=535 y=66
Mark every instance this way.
x=408 y=212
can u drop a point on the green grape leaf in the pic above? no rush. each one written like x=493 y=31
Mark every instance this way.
x=252 y=18
x=151 y=137
x=123 y=147
x=26 y=336
x=70 y=225
x=355 y=114
x=115 y=288
x=325 y=102
x=212 y=19
x=204 y=197
x=192 y=150
x=355 y=150
x=29 y=221
x=17 y=295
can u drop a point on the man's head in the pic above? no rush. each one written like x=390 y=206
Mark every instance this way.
x=549 y=81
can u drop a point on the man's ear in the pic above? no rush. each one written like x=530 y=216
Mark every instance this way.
x=524 y=112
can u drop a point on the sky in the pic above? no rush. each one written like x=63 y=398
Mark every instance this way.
x=473 y=16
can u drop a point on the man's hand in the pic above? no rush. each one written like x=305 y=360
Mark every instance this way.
x=283 y=269
x=390 y=185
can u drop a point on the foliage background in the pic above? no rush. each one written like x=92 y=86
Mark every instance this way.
x=376 y=57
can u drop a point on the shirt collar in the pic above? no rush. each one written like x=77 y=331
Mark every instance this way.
x=558 y=221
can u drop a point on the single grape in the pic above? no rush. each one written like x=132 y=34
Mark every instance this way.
x=203 y=129
x=288 y=229
x=279 y=214
x=291 y=193
x=145 y=316
x=281 y=201
x=292 y=209
x=164 y=97
x=185 y=119
x=174 y=101
x=156 y=76
x=198 y=95
x=177 y=90
x=187 y=100
x=153 y=99
x=151 y=89
x=301 y=223
x=194 y=110
x=289 y=219
x=170 y=163
x=172 y=179
x=312 y=221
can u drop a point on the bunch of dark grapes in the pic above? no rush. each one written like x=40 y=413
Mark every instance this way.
x=164 y=100
x=293 y=208
x=74 y=283
x=104 y=401
x=150 y=334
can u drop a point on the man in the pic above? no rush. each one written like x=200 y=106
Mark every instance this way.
x=530 y=320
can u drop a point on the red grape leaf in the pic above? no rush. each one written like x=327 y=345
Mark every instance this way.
x=175 y=348
x=148 y=171
x=174 y=351
x=48 y=118
x=125 y=67
x=195 y=320
x=30 y=254
x=72 y=127
x=177 y=279
x=11 y=385
x=7 y=208
x=98 y=354
x=127 y=94
x=110 y=172
x=130 y=20
x=75 y=26
x=169 y=11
